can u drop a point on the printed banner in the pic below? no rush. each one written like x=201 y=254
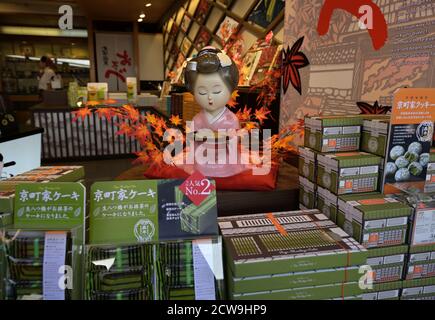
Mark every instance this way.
x=49 y=205
x=410 y=136
x=115 y=59
x=151 y=210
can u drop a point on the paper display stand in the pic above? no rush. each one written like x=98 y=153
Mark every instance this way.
x=410 y=137
x=143 y=248
x=43 y=247
x=419 y=272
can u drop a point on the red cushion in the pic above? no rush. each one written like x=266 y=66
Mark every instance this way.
x=241 y=181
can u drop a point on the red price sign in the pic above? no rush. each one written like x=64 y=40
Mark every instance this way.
x=197 y=188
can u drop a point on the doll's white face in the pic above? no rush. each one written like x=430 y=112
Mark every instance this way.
x=211 y=93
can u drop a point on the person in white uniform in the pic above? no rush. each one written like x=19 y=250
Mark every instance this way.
x=46 y=74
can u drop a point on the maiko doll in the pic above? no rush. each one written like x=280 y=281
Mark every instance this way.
x=212 y=77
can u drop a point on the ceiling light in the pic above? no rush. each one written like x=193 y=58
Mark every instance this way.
x=148 y=5
x=139 y=20
x=142 y=15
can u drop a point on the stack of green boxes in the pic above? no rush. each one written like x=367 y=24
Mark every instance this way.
x=380 y=224
x=129 y=278
x=163 y=271
x=290 y=255
x=178 y=261
x=374 y=139
x=6 y=218
x=307 y=178
x=7 y=196
x=343 y=157
x=430 y=174
x=332 y=161
x=420 y=269
x=24 y=256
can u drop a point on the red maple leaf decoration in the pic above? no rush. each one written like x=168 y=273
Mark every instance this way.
x=131 y=112
x=233 y=101
x=175 y=120
x=142 y=158
x=293 y=60
x=142 y=133
x=124 y=128
x=244 y=115
x=106 y=113
x=376 y=108
x=82 y=113
x=261 y=114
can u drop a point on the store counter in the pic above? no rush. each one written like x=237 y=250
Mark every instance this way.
x=94 y=138
x=22 y=147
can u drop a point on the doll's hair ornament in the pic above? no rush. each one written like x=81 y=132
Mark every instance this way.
x=224 y=60
x=210 y=60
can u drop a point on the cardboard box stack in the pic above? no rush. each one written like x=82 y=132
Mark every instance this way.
x=290 y=255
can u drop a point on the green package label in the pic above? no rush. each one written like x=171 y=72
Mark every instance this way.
x=49 y=205
x=124 y=212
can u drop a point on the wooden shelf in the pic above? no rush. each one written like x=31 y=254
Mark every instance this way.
x=244 y=23
x=23 y=98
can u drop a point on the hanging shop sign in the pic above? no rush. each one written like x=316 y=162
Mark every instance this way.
x=115 y=59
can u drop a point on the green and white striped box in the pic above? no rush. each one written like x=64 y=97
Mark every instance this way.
x=326 y=202
x=384 y=291
x=197 y=219
x=333 y=133
x=419 y=289
x=430 y=174
x=43 y=175
x=388 y=263
x=6 y=219
x=307 y=163
x=373 y=219
x=421 y=262
x=307 y=194
x=7 y=201
x=374 y=136
x=337 y=290
x=351 y=172
x=292 y=280
x=305 y=241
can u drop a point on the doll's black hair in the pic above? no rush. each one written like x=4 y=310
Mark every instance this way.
x=207 y=61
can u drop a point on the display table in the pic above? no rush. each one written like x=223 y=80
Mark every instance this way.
x=284 y=198
x=23 y=147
